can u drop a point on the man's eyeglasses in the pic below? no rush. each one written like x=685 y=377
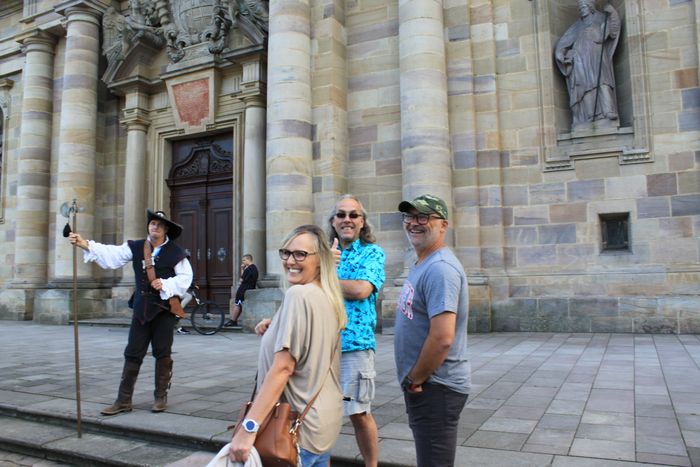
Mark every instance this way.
x=421 y=219
x=351 y=215
x=298 y=255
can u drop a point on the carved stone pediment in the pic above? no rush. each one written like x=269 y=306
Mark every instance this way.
x=177 y=26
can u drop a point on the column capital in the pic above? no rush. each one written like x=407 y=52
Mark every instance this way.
x=135 y=119
x=82 y=10
x=38 y=40
x=254 y=100
x=6 y=84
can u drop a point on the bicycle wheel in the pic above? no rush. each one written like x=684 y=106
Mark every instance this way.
x=207 y=318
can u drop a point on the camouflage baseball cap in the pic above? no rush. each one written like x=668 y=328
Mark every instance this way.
x=425 y=204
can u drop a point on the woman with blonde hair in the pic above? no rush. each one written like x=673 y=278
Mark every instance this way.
x=300 y=350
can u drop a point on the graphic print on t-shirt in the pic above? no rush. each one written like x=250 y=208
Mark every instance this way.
x=406 y=300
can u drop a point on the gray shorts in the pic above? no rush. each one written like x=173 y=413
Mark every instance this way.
x=357 y=381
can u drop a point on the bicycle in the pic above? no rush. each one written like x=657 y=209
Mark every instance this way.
x=206 y=316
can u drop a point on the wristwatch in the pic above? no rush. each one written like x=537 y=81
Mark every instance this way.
x=408 y=385
x=250 y=425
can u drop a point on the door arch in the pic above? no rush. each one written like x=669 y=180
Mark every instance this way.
x=201 y=200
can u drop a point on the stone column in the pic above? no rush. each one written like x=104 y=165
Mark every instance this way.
x=289 y=158
x=425 y=149
x=329 y=105
x=34 y=165
x=77 y=136
x=254 y=181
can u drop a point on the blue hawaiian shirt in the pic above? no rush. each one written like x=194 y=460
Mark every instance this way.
x=361 y=262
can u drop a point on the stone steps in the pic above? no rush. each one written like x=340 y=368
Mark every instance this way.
x=54 y=437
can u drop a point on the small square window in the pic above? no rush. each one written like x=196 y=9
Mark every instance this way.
x=615 y=231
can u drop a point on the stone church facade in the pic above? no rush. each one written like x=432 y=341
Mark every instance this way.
x=246 y=118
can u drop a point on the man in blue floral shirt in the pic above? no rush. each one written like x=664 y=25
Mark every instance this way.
x=361 y=274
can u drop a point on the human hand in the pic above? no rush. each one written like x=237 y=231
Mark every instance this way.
x=157 y=284
x=241 y=445
x=76 y=240
x=336 y=251
x=262 y=326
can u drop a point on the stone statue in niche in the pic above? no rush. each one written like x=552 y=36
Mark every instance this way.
x=584 y=55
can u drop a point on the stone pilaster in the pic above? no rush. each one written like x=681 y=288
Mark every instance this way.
x=136 y=120
x=289 y=158
x=254 y=181
x=77 y=135
x=425 y=148
x=34 y=165
x=329 y=105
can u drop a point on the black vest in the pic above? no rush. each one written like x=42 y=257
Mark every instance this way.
x=146 y=301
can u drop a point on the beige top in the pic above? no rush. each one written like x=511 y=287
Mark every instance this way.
x=306 y=326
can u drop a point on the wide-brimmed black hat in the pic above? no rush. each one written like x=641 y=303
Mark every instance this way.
x=174 y=230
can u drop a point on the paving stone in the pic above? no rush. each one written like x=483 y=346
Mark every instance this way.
x=661 y=445
x=683 y=461
x=496 y=440
x=509 y=425
x=603 y=449
x=604 y=432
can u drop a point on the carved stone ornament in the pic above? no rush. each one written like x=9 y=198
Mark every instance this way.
x=179 y=24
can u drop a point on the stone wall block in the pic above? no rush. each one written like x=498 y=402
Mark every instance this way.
x=653 y=207
x=626 y=187
x=557 y=234
x=547 y=193
x=657 y=325
x=689 y=182
x=16 y=305
x=575 y=255
x=530 y=215
x=586 y=190
x=611 y=324
x=594 y=306
x=569 y=212
x=639 y=307
x=663 y=184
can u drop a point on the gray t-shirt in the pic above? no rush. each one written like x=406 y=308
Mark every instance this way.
x=436 y=285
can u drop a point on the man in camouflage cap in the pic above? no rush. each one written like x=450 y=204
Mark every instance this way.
x=430 y=342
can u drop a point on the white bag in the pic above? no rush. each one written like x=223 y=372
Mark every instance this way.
x=222 y=460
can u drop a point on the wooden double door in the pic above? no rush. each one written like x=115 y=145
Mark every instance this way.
x=201 y=200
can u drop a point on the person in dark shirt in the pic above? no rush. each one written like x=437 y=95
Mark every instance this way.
x=249 y=280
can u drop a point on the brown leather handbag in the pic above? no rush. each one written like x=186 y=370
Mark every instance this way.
x=276 y=441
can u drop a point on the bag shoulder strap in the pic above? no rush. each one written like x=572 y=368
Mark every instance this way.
x=148 y=261
x=300 y=418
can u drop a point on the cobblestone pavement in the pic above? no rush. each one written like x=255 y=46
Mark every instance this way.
x=538 y=398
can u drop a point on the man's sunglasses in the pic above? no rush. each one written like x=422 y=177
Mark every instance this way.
x=351 y=215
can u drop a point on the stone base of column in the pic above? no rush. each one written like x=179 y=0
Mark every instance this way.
x=16 y=304
x=259 y=303
x=55 y=306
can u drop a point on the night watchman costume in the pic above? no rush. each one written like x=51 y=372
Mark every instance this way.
x=153 y=318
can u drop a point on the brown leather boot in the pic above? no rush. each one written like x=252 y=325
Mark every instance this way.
x=164 y=371
x=126 y=389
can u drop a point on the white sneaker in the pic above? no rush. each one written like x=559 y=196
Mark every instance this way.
x=182 y=331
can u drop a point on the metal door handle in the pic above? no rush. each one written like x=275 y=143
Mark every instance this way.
x=208 y=254
x=221 y=254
